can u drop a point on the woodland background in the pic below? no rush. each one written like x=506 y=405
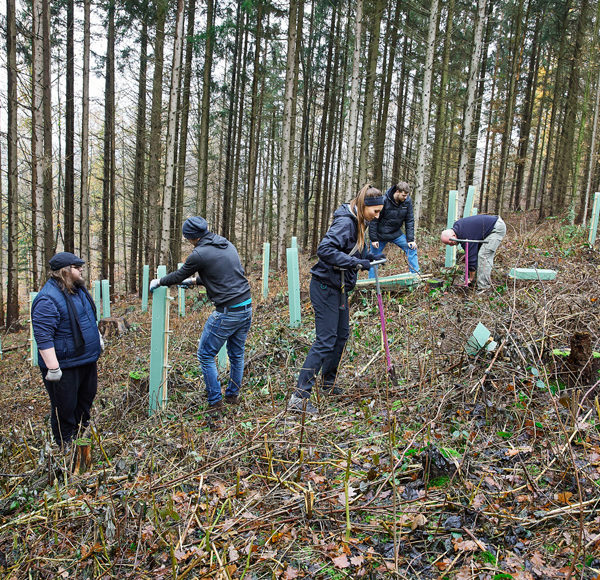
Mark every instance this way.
x=120 y=119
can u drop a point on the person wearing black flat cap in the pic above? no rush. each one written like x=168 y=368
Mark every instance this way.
x=217 y=264
x=63 y=316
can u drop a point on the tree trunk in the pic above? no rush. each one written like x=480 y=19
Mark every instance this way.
x=69 y=223
x=170 y=171
x=365 y=141
x=12 y=287
x=205 y=110
x=49 y=243
x=400 y=110
x=84 y=227
x=37 y=145
x=467 y=140
x=137 y=208
x=289 y=110
x=380 y=137
x=109 y=117
x=154 y=164
x=354 y=100
x=528 y=103
x=425 y=101
x=435 y=185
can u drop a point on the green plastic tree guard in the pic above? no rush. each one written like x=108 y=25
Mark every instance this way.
x=105 y=299
x=594 y=220
x=474 y=211
x=159 y=346
x=481 y=338
x=452 y=217
x=222 y=358
x=532 y=274
x=468 y=209
x=33 y=349
x=145 y=284
x=96 y=293
x=181 y=297
x=294 y=243
x=265 y=269
x=293 y=286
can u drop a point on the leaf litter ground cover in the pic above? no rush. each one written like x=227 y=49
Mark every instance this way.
x=483 y=466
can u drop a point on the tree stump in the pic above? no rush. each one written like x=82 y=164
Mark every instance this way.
x=113 y=326
x=83 y=456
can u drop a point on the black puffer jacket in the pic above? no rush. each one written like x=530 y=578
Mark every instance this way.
x=391 y=219
x=217 y=262
x=334 y=251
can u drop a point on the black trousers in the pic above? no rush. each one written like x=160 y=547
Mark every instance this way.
x=332 y=329
x=71 y=399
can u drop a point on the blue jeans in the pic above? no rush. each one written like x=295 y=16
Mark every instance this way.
x=400 y=241
x=332 y=330
x=229 y=327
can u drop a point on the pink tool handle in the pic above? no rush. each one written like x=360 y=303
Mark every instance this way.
x=384 y=333
x=466 y=264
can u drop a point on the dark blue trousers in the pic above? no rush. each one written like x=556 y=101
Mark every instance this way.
x=332 y=329
x=71 y=399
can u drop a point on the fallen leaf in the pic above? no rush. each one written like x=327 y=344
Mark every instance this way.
x=233 y=554
x=290 y=573
x=419 y=521
x=564 y=497
x=341 y=561
x=465 y=546
x=357 y=560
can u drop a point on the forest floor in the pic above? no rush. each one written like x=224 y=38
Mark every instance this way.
x=468 y=466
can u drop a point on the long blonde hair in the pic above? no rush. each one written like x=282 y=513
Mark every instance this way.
x=63 y=278
x=358 y=203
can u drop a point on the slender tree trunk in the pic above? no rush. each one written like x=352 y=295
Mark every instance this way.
x=109 y=117
x=49 y=244
x=376 y=11
x=70 y=133
x=205 y=110
x=425 y=102
x=37 y=145
x=289 y=110
x=528 y=103
x=12 y=288
x=400 y=113
x=467 y=140
x=137 y=208
x=84 y=227
x=2 y=317
x=435 y=185
x=354 y=100
x=593 y=156
x=154 y=165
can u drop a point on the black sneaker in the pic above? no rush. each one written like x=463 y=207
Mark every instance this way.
x=333 y=390
x=302 y=405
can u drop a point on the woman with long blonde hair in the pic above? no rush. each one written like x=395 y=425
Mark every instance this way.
x=342 y=252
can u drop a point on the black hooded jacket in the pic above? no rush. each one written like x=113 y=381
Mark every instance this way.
x=334 y=251
x=218 y=264
x=391 y=219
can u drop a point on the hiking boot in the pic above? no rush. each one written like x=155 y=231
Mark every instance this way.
x=232 y=399
x=215 y=409
x=333 y=390
x=301 y=405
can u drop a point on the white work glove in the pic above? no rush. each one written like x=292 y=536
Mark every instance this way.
x=101 y=342
x=54 y=375
x=412 y=245
x=154 y=284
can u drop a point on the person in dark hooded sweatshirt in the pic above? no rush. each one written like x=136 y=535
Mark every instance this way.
x=218 y=267
x=341 y=253
x=397 y=213
x=63 y=316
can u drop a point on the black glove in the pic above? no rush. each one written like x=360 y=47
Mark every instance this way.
x=190 y=282
x=373 y=257
x=363 y=265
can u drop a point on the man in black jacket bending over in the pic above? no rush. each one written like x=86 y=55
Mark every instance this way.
x=397 y=212
x=220 y=271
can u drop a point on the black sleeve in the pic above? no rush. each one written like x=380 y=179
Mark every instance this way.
x=409 y=222
x=373 y=236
